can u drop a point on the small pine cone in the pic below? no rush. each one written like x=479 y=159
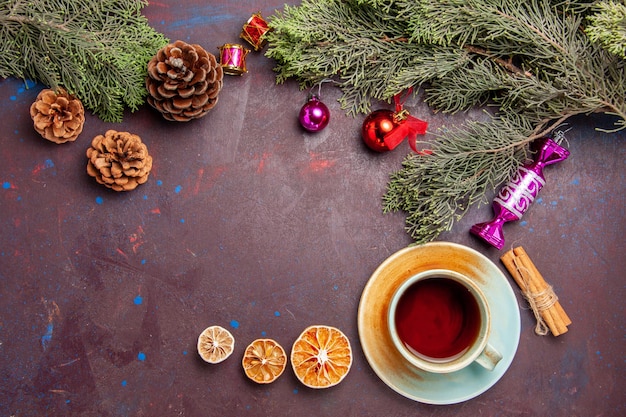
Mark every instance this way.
x=183 y=81
x=119 y=160
x=58 y=116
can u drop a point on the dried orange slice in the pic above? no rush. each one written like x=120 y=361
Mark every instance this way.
x=264 y=360
x=321 y=356
x=215 y=344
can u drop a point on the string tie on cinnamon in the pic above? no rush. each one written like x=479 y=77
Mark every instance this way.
x=540 y=295
x=538 y=301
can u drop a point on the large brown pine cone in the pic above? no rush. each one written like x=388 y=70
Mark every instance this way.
x=58 y=116
x=183 y=81
x=119 y=160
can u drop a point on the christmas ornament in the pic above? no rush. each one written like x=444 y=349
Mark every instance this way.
x=254 y=31
x=57 y=115
x=119 y=160
x=314 y=115
x=376 y=126
x=515 y=198
x=183 y=81
x=233 y=59
x=383 y=130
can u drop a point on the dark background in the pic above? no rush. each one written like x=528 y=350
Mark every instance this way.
x=251 y=223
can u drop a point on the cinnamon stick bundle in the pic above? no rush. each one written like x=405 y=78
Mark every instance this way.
x=541 y=297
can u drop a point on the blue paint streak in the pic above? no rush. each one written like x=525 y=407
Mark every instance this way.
x=141 y=356
x=576 y=181
x=48 y=163
x=6 y=185
x=277 y=313
x=138 y=300
x=99 y=200
x=178 y=189
x=47 y=337
x=234 y=324
x=207 y=18
x=159 y=183
x=124 y=383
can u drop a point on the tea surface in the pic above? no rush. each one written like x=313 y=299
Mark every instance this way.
x=437 y=318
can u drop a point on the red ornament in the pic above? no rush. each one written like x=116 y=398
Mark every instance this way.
x=375 y=127
x=254 y=31
x=384 y=130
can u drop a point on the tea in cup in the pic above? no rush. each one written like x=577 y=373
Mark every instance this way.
x=439 y=320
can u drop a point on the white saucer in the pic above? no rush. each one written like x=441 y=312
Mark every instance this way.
x=392 y=368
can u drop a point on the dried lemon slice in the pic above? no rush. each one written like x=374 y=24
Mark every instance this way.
x=215 y=344
x=264 y=360
x=321 y=356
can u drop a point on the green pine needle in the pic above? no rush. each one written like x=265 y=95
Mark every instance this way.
x=608 y=27
x=96 y=49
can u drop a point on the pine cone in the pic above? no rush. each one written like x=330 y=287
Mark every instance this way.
x=58 y=116
x=119 y=160
x=183 y=81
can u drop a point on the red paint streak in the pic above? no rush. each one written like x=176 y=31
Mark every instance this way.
x=317 y=164
x=38 y=169
x=121 y=252
x=137 y=239
x=155 y=211
x=217 y=172
x=321 y=165
x=264 y=158
x=196 y=187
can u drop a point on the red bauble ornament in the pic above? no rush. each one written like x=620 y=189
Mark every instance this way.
x=384 y=130
x=376 y=126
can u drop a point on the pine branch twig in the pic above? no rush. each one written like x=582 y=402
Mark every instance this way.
x=96 y=49
x=531 y=60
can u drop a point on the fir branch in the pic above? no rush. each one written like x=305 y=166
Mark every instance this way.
x=360 y=47
x=608 y=27
x=96 y=49
x=530 y=59
x=435 y=190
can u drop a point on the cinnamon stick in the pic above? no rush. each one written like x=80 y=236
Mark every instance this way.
x=537 y=291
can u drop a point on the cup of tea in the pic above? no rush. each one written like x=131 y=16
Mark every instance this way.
x=439 y=320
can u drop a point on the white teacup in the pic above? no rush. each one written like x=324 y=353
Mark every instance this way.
x=439 y=320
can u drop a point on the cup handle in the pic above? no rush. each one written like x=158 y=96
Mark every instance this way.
x=489 y=358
